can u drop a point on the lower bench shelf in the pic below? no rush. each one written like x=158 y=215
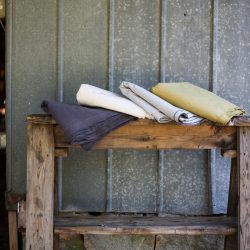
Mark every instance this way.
x=148 y=225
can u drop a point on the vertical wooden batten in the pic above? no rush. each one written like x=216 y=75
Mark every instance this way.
x=13 y=242
x=40 y=187
x=8 y=81
x=111 y=54
x=232 y=241
x=162 y=78
x=244 y=188
x=60 y=87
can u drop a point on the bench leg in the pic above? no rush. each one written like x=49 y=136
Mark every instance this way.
x=244 y=188
x=40 y=187
x=231 y=241
x=13 y=242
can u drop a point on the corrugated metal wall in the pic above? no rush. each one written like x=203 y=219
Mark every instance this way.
x=54 y=46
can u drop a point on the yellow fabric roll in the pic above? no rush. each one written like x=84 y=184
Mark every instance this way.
x=198 y=101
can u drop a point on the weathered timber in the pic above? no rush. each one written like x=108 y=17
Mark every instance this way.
x=13 y=243
x=146 y=134
x=61 y=152
x=240 y=121
x=56 y=201
x=21 y=218
x=244 y=187
x=40 y=119
x=47 y=119
x=231 y=153
x=140 y=134
x=233 y=190
x=231 y=242
x=150 y=225
x=12 y=199
x=40 y=187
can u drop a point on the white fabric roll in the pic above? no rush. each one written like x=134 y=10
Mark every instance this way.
x=161 y=110
x=96 y=97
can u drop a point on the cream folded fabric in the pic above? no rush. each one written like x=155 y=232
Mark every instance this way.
x=199 y=101
x=96 y=97
x=161 y=110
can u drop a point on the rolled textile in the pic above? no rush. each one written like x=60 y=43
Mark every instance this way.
x=161 y=110
x=96 y=97
x=199 y=101
x=84 y=125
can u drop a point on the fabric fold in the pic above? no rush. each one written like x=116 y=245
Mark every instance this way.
x=84 y=125
x=156 y=107
x=96 y=97
x=198 y=100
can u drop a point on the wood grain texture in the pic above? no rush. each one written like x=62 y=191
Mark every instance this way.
x=21 y=218
x=40 y=119
x=244 y=187
x=61 y=152
x=13 y=243
x=231 y=153
x=231 y=242
x=146 y=134
x=146 y=225
x=40 y=187
x=142 y=134
x=240 y=121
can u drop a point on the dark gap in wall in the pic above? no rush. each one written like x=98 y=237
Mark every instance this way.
x=2 y=75
x=4 y=240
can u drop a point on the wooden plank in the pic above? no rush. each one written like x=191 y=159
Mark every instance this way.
x=240 y=121
x=146 y=225
x=233 y=190
x=40 y=119
x=40 y=187
x=244 y=187
x=231 y=242
x=56 y=210
x=146 y=134
x=21 y=218
x=61 y=152
x=231 y=153
x=13 y=242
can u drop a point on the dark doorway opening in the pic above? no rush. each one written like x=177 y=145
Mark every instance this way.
x=4 y=241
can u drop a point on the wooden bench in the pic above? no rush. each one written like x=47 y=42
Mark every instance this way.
x=46 y=141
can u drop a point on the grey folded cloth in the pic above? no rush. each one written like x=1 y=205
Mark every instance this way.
x=84 y=125
x=156 y=107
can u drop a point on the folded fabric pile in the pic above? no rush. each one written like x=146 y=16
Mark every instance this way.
x=85 y=125
x=199 y=101
x=161 y=110
x=105 y=111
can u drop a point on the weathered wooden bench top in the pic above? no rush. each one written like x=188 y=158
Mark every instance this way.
x=148 y=134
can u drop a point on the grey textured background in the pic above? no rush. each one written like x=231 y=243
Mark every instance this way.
x=55 y=45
